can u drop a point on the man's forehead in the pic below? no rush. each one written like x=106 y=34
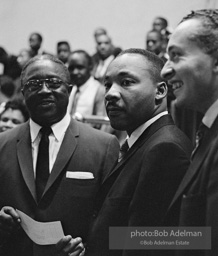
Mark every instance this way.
x=44 y=67
x=128 y=63
x=185 y=32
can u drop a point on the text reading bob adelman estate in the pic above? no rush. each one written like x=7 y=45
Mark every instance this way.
x=160 y=238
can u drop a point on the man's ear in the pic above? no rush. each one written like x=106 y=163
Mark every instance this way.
x=161 y=91
x=215 y=66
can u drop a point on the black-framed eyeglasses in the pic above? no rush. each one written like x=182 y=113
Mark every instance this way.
x=37 y=84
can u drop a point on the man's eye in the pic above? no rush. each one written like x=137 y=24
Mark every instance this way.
x=4 y=119
x=107 y=85
x=33 y=84
x=126 y=82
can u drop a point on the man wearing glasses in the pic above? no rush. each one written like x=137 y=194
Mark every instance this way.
x=51 y=166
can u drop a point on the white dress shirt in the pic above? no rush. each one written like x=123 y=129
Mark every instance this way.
x=138 y=132
x=211 y=114
x=55 y=139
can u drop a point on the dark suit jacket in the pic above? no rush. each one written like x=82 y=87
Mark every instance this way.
x=69 y=200
x=198 y=192
x=140 y=188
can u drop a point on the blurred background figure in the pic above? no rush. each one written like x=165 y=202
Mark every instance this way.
x=87 y=95
x=35 y=43
x=105 y=52
x=24 y=56
x=7 y=88
x=8 y=64
x=161 y=24
x=101 y=31
x=63 y=51
x=13 y=113
x=156 y=43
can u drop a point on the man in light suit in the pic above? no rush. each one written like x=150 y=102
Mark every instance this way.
x=192 y=70
x=79 y=159
x=139 y=189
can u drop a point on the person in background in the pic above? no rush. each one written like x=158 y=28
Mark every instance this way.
x=155 y=43
x=7 y=88
x=35 y=43
x=24 y=56
x=13 y=114
x=153 y=159
x=9 y=65
x=51 y=167
x=161 y=24
x=87 y=95
x=63 y=51
x=105 y=50
x=192 y=70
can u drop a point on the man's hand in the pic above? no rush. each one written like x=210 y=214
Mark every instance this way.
x=69 y=246
x=9 y=222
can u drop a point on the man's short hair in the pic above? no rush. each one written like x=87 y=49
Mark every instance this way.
x=17 y=104
x=87 y=56
x=164 y=21
x=156 y=64
x=38 y=35
x=207 y=37
x=63 y=42
x=46 y=57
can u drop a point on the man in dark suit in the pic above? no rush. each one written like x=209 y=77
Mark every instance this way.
x=79 y=158
x=192 y=69
x=139 y=189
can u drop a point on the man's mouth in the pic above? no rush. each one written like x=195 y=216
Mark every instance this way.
x=176 y=85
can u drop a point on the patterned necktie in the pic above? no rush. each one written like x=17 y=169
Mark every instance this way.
x=42 y=165
x=123 y=150
x=199 y=136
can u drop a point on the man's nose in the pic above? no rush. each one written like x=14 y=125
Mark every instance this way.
x=167 y=72
x=45 y=87
x=112 y=94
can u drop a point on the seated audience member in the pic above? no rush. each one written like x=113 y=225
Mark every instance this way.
x=14 y=113
x=105 y=49
x=9 y=64
x=87 y=95
x=63 y=51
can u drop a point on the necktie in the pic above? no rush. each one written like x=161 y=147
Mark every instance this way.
x=75 y=100
x=42 y=165
x=199 y=136
x=123 y=150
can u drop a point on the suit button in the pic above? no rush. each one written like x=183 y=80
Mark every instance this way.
x=94 y=215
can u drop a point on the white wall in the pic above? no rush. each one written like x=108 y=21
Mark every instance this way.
x=127 y=21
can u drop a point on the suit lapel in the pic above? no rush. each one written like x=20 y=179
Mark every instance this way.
x=197 y=161
x=24 y=154
x=67 y=149
x=163 y=121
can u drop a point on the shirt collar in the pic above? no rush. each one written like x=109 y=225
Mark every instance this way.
x=138 y=132
x=58 y=129
x=211 y=115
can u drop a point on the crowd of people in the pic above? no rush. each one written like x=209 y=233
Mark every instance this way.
x=141 y=169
